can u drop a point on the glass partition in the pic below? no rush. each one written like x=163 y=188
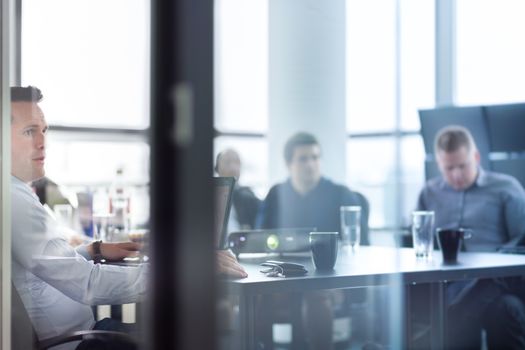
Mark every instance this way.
x=323 y=71
x=80 y=174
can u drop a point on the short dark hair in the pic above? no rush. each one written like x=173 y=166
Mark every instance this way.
x=26 y=94
x=299 y=139
x=453 y=137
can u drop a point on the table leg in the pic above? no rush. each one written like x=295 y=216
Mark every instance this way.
x=406 y=319
x=437 y=315
x=247 y=321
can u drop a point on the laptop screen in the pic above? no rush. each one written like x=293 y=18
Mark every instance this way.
x=223 y=187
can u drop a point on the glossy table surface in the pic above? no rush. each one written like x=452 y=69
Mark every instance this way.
x=370 y=266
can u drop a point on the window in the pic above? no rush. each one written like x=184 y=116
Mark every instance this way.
x=241 y=65
x=490 y=52
x=375 y=179
x=92 y=65
x=412 y=173
x=390 y=76
x=371 y=66
x=76 y=162
x=417 y=65
x=241 y=84
x=91 y=74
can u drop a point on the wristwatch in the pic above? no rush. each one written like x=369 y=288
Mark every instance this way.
x=97 y=255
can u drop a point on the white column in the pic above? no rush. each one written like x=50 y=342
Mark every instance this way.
x=307 y=80
x=445 y=52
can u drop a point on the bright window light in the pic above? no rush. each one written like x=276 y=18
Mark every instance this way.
x=490 y=52
x=370 y=52
x=417 y=65
x=241 y=65
x=90 y=58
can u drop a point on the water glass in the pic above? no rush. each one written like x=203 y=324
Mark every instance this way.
x=350 y=226
x=422 y=233
x=101 y=227
x=64 y=215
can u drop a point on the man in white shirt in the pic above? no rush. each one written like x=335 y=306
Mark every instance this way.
x=57 y=283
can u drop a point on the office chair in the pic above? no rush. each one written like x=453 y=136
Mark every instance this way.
x=23 y=335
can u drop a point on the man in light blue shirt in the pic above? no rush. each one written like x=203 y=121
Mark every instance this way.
x=56 y=283
x=493 y=206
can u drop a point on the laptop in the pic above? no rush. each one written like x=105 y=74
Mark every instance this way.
x=223 y=188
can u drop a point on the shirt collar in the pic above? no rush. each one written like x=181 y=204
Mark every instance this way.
x=17 y=181
x=481 y=180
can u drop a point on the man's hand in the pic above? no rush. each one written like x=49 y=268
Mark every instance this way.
x=116 y=251
x=228 y=265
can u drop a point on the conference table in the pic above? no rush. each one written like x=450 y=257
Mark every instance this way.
x=397 y=268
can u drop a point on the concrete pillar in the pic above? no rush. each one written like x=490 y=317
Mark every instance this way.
x=307 y=80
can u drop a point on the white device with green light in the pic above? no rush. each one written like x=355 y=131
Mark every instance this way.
x=283 y=240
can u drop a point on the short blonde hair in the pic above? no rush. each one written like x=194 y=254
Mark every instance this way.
x=451 y=138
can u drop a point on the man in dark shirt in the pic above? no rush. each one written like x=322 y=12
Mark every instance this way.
x=307 y=199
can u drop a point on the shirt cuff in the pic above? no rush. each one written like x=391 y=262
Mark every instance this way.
x=82 y=250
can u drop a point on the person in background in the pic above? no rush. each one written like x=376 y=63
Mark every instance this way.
x=245 y=202
x=307 y=199
x=492 y=205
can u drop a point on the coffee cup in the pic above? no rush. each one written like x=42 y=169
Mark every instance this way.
x=324 y=247
x=450 y=243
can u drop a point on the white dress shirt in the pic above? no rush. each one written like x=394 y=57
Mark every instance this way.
x=57 y=283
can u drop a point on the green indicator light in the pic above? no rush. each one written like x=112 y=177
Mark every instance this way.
x=272 y=242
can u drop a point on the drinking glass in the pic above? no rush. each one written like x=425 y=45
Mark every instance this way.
x=350 y=226
x=64 y=215
x=101 y=227
x=422 y=233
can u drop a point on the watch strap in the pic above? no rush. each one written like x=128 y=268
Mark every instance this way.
x=97 y=255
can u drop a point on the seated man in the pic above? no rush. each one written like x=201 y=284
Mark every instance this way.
x=493 y=206
x=245 y=202
x=307 y=199
x=56 y=283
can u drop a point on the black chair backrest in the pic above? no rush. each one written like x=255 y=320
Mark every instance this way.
x=23 y=335
x=505 y=126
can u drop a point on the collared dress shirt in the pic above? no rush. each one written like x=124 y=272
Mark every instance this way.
x=493 y=207
x=57 y=283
